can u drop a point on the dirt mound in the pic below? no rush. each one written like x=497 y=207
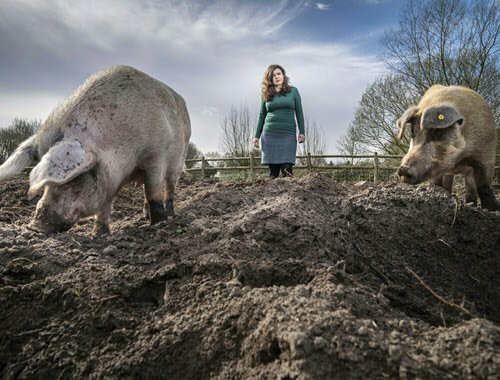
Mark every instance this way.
x=276 y=279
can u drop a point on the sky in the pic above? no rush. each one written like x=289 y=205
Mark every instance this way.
x=212 y=52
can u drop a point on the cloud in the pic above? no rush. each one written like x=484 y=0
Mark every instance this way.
x=211 y=112
x=213 y=53
x=75 y=34
x=322 y=6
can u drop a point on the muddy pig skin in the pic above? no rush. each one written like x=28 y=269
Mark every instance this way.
x=452 y=132
x=120 y=125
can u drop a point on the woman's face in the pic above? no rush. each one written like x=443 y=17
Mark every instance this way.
x=277 y=77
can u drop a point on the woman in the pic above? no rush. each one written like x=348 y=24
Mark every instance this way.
x=277 y=127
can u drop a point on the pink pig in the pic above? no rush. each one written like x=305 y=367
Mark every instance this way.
x=120 y=125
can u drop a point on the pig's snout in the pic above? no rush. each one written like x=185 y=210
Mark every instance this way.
x=49 y=222
x=46 y=228
x=37 y=226
x=407 y=175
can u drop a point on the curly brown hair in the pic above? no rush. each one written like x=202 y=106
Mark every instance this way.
x=268 y=89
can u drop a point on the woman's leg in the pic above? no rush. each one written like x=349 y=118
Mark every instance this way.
x=274 y=170
x=286 y=170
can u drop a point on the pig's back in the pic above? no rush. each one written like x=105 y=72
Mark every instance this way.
x=122 y=106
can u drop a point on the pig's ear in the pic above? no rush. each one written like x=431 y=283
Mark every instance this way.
x=405 y=119
x=63 y=162
x=440 y=116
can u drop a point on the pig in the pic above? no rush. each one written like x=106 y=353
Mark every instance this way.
x=120 y=125
x=452 y=131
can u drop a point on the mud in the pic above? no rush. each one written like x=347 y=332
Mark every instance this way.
x=301 y=278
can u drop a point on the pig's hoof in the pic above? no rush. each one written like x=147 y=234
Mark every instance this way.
x=169 y=207
x=157 y=213
x=494 y=207
x=490 y=205
x=100 y=229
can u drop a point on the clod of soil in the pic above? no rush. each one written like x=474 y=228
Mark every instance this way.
x=301 y=278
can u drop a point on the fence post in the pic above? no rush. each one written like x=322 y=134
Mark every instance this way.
x=309 y=163
x=375 y=167
x=251 y=166
x=203 y=163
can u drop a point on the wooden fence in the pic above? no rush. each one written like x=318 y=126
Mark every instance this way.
x=378 y=163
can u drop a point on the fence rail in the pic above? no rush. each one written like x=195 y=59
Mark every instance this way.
x=379 y=163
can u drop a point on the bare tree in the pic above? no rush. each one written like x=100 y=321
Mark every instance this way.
x=14 y=134
x=237 y=131
x=450 y=42
x=349 y=145
x=315 y=143
x=375 y=118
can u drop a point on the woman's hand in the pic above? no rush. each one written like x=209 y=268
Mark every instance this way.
x=255 y=142
x=301 y=138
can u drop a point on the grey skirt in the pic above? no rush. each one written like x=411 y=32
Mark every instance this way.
x=278 y=147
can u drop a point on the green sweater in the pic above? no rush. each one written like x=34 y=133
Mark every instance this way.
x=279 y=114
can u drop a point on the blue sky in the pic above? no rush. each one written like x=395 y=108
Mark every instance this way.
x=213 y=53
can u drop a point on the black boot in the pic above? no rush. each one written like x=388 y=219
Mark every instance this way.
x=274 y=170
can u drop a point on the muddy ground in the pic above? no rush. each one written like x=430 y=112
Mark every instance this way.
x=302 y=278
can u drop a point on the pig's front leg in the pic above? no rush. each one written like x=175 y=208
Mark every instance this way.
x=488 y=199
x=101 y=222
x=484 y=189
x=470 y=186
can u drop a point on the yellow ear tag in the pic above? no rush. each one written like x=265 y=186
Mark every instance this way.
x=441 y=116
